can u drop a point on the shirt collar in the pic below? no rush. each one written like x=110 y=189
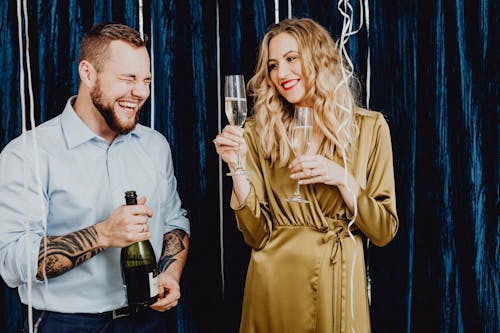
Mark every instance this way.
x=77 y=132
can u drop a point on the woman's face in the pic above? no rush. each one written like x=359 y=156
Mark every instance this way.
x=285 y=68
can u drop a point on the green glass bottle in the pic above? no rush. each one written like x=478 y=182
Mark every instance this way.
x=139 y=269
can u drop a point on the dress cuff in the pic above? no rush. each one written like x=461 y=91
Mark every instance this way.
x=249 y=201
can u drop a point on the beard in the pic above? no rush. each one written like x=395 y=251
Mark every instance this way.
x=106 y=110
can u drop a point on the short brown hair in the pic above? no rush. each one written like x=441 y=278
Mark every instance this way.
x=95 y=42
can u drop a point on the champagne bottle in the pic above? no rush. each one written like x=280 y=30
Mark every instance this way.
x=140 y=274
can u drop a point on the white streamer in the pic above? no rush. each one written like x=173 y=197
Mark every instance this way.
x=152 y=111
x=25 y=149
x=36 y=156
x=368 y=60
x=289 y=8
x=346 y=10
x=219 y=129
x=35 y=145
x=368 y=88
x=276 y=11
x=141 y=20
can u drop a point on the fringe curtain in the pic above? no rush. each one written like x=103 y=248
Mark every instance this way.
x=434 y=75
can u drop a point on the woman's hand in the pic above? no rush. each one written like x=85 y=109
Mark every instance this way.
x=229 y=143
x=316 y=169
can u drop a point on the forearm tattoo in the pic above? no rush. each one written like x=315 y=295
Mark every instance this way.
x=63 y=253
x=172 y=245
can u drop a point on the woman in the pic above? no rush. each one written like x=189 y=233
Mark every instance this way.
x=304 y=259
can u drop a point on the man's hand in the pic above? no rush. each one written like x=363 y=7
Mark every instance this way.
x=169 y=293
x=126 y=225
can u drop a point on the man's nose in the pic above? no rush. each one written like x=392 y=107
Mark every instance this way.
x=141 y=90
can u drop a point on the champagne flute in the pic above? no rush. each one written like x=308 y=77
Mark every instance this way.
x=301 y=140
x=236 y=110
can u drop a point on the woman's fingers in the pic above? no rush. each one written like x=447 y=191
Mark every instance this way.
x=230 y=144
x=306 y=162
x=310 y=169
x=226 y=139
x=230 y=136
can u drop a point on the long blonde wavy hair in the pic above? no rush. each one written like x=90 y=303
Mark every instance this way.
x=333 y=104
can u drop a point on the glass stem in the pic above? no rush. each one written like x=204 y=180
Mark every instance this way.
x=238 y=165
x=297 y=189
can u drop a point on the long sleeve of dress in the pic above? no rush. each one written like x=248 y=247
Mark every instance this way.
x=253 y=216
x=377 y=217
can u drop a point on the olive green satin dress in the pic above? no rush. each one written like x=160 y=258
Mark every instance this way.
x=302 y=260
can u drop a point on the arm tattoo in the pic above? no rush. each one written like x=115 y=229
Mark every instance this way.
x=172 y=245
x=63 y=253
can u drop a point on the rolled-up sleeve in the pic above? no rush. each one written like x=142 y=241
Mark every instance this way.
x=175 y=214
x=22 y=216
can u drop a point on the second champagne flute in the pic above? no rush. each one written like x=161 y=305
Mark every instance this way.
x=301 y=140
x=236 y=110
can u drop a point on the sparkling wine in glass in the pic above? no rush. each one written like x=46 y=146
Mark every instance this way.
x=301 y=140
x=236 y=110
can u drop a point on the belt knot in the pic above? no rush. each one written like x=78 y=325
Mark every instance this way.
x=334 y=235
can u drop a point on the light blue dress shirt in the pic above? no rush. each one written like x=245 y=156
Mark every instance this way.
x=82 y=180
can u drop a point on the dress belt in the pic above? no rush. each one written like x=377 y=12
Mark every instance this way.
x=336 y=234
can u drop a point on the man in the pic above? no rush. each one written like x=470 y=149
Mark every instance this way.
x=73 y=204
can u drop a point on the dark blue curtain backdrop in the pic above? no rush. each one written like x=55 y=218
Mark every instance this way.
x=434 y=75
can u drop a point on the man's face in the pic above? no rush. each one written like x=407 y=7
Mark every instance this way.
x=122 y=86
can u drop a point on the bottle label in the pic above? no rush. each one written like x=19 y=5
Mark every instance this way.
x=153 y=284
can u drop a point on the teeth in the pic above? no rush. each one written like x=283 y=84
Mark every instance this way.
x=127 y=104
x=289 y=84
